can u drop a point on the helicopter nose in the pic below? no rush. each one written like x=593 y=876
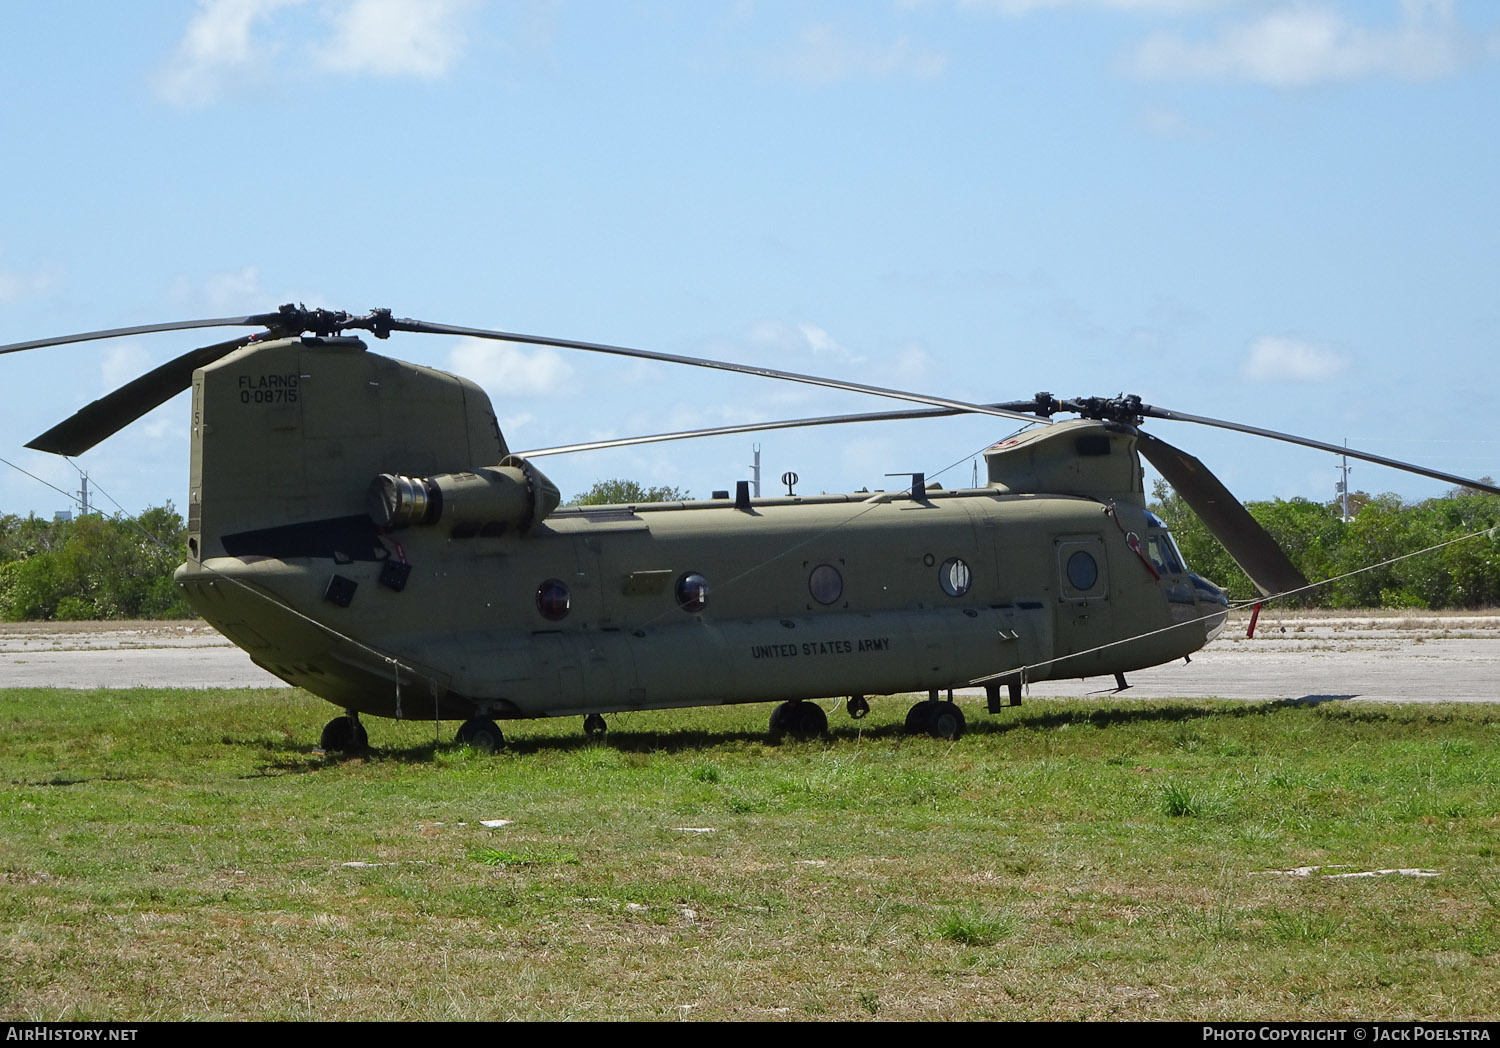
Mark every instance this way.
x=1213 y=605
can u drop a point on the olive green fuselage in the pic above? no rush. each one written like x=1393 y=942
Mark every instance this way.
x=545 y=612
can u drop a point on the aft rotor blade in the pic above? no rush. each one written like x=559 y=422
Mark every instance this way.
x=115 y=411
x=405 y=324
x=759 y=427
x=257 y=320
x=1251 y=546
x=1151 y=411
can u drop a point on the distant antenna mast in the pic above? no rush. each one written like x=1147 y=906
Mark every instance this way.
x=755 y=472
x=975 y=482
x=83 y=495
x=1343 y=484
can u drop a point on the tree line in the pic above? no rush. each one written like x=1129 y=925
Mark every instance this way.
x=1381 y=528
x=92 y=567
x=96 y=567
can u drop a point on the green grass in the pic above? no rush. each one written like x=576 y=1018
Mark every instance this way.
x=188 y=855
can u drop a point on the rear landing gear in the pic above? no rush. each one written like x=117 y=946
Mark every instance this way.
x=594 y=726
x=482 y=734
x=941 y=720
x=344 y=735
x=799 y=719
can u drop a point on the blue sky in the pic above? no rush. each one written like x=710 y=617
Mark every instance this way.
x=1281 y=213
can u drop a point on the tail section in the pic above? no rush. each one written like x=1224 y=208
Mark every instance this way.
x=287 y=436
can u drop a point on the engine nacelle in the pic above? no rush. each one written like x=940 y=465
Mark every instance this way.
x=487 y=501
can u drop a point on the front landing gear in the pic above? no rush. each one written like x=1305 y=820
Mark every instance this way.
x=345 y=735
x=482 y=734
x=941 y=720
x=799 y=719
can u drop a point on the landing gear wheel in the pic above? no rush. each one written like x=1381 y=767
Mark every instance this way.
x=917 y=718
x=941 y=720
x=594 y=726
x=857 y=706
x=799 y=719
x=946 y=721
x=481 y=734
x=344 y=735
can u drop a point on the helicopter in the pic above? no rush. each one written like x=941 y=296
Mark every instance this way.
x=360 y=527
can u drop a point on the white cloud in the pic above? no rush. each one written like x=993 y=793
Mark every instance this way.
x=1277 y=359
x=238 y=43
x=216 y=49
x=1019 y=8
x=913 y=364
x=236 y=291
x=1306 y=44
x=18 y=285
x=512 y=424
x=421 y=38
x=166 y=424
x=234 y=288
x=822 y=344
x=799 y=338
x=507 y=370
x=819 y=55
x=119 y=364
x=1169 y=123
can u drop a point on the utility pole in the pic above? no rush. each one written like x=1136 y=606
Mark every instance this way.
x=1342 y=487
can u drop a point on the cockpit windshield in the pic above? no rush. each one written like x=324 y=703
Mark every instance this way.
x=1165 y=557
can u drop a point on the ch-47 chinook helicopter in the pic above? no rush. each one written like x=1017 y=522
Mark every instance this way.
x=358 y=526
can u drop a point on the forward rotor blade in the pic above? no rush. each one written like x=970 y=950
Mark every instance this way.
x=757 y=427
x=406 y=324
x=1251 y=546
x=258 y=320
x=1150 y=411
x=115 y=411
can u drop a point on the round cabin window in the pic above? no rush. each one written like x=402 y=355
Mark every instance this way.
x=1083 y=570
x=553 y=600
x=825 y=584
x=955 y=577
x=692 y=592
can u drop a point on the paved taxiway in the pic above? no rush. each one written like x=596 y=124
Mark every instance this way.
x=1392 y=657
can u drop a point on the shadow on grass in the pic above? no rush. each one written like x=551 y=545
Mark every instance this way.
x=70 y=780
x=677 y=741
x=1103 y=718
x=311 y=758
x=625 y=740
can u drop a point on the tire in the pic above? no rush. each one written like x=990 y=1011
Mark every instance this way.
x=801 y=720
x=946 y=721
x=344 y=735
x=482 y=734
x=811 y=722
x=941 y=720
x=917 y=718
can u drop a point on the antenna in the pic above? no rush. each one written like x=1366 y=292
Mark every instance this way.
x=83 y=495
x=755 y=471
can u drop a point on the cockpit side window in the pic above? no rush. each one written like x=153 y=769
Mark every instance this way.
x=1162 y=549
x=1163 y=553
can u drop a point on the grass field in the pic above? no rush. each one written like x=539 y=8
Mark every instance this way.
x=188 y=855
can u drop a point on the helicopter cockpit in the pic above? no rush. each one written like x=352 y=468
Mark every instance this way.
x=1161 y=549
x=1182 y=586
